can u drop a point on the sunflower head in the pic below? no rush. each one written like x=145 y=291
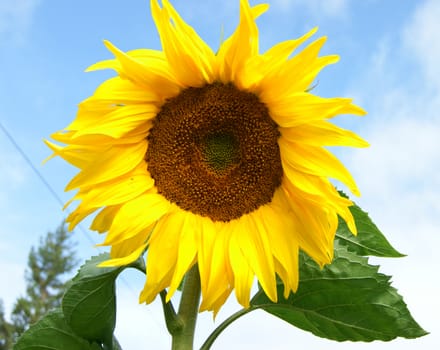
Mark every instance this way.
x=211 y=151
x=215 y=159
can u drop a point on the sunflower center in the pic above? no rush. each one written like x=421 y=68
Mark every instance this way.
x=221 y=150
x=214 y=151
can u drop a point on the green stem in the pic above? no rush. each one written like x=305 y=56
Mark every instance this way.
x=183 y=337
x=213 y=336
x=173 y=322
x=116 y=345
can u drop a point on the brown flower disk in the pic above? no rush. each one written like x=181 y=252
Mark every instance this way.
x=214 y=151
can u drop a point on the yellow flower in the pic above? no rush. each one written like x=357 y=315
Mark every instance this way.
x=213 y=159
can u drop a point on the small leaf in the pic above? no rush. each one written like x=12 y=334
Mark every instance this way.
x=89 y=304
x=346 y=300
x=52 y=333
x=369 y=241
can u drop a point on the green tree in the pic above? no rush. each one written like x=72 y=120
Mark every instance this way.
x=45 y=283
x=6 y=330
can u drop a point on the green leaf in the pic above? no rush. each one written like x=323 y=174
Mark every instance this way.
x=369 y=241
x=346 y=300
x=52 y=333
x=89 y=304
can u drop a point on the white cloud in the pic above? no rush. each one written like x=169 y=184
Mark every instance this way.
x=404 y=153
x=404 y=124
x=15 y=18
x=400 y=174
x=421 y=39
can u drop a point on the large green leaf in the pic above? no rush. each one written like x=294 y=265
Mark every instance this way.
x=89 y=304
x=52 y=333
x=346 y=300
x=369 y=241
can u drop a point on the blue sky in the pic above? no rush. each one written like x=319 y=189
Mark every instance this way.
x=389 y=63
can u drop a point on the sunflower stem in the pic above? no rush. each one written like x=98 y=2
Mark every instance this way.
x=173 y=322
x=183 y=337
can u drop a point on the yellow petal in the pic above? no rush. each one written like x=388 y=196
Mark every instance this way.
x=304 y=108
x=135 y=216
x=155 y=58
x=205 y=237
x=297 y=74
x=187 y=251
x=105 y=64
x=322 y=133
x=279 y=224
x=117 y=91
x=146 y=76
x=279 y=53
x=243 y=274
x=220 y=279
x=315 y=161
x=261 y=66
x=75 y=217
x=253 y=240
x=99 y=141
x=116 y=161
x=160 y=265
x=129 y=246
x=125 y=260
x=78 y=156
x=115 y=124
x=190 y=58
x=312 y=226
x=118 y=191
x=102 y=222
x=240 y=46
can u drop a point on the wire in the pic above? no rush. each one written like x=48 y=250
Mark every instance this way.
x=28 y=161
x=52 y=192
x=41 y=177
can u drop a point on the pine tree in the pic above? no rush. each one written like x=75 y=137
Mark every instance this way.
x=6 y=330
x=45 y=283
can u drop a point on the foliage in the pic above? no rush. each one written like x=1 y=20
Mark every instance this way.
x=82 y=304
x=88 y=312
x=47 y=265
x=343 y=302
x=52 y=332
x=6 y=330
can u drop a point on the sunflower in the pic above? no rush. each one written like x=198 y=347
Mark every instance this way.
x=214 y=159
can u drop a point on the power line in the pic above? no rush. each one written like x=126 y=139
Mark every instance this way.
x=40 y=176
x=49 y=187
x=29 y=162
